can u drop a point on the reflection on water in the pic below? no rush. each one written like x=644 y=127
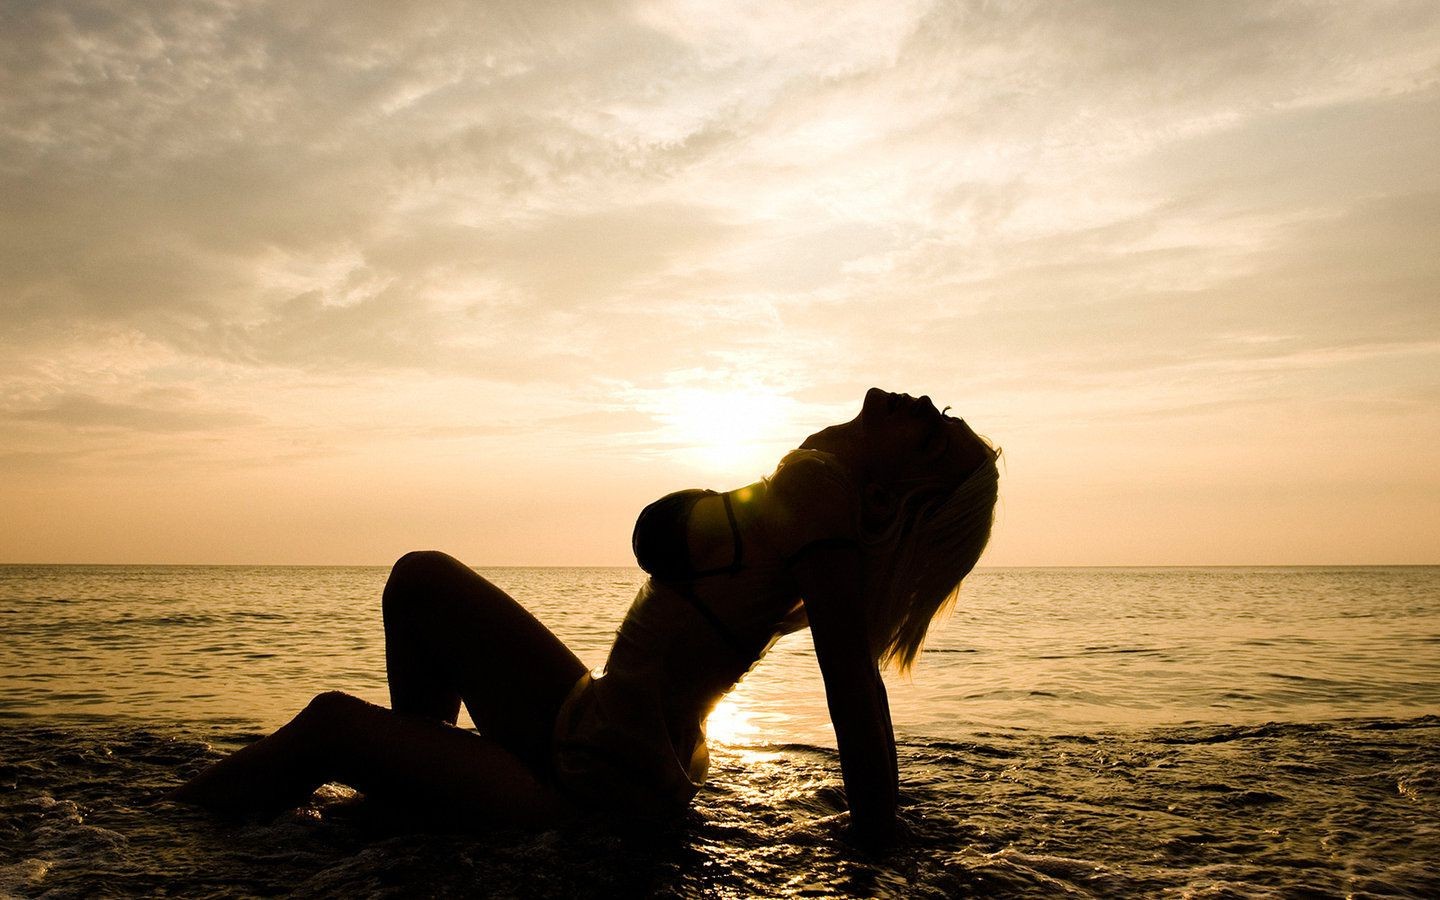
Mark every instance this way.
x=732 y=721
x=1044 y=648
x=1039 y=743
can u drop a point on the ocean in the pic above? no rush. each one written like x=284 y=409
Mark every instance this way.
x=1188 y=732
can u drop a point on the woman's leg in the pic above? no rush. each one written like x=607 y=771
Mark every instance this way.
x=403 y=759
x=450 y=635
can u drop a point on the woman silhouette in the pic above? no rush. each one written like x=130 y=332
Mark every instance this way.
x=863 y=534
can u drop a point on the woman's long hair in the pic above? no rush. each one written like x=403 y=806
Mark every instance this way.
x=914 y=564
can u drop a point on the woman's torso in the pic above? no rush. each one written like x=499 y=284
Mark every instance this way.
x=700 y=622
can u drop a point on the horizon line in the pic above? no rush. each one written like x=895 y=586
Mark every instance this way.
x=981 y=568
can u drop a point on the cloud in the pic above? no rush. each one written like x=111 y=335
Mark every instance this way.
x=336 y=223
x=194 y=162
x=82 y=413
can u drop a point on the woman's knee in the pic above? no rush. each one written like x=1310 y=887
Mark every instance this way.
x=332 y=708
x=414 y=576
x=421 y=564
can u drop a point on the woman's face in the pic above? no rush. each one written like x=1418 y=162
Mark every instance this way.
x=897 y=437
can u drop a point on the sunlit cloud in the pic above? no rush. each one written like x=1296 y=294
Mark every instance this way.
x=398 y=250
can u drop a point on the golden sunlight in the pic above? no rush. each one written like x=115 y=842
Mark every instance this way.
x=732 y=721
x=740 y=432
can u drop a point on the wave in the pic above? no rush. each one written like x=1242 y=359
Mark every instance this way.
x=1328 y=808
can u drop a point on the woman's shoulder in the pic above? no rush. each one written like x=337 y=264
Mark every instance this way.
x=812 y=497
x=806 y=466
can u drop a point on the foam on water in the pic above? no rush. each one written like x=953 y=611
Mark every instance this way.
x=1273 y=810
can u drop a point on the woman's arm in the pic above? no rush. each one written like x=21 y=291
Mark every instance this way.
x=829 y=577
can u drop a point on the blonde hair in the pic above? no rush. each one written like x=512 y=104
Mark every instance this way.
x=915 y=563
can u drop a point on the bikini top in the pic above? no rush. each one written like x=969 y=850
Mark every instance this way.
x=818 y=499
x=659 y=539
x=663 y=551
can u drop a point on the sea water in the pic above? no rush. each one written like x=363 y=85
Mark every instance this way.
x=1230 y=732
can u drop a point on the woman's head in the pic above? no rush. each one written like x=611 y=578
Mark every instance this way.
x=898 y=440
x=928 y=490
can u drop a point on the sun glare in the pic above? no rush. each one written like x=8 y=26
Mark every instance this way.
x=731 y=722
x=736 y=432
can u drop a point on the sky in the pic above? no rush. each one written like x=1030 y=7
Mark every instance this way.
x=321 y=283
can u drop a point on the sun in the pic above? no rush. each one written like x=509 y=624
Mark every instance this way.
x=730 y=431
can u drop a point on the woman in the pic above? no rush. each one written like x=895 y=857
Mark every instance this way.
x=862 y=534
